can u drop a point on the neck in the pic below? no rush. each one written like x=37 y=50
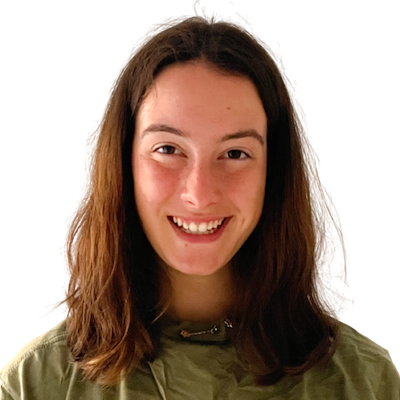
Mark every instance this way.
x=199 y=298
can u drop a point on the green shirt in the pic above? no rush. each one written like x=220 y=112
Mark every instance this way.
x=189 y=369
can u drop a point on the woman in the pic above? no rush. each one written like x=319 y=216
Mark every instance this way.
x=194 y=255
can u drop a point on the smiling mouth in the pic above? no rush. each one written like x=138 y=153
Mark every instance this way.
x=197 y=232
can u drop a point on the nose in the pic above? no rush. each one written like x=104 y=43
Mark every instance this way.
x=201 y=187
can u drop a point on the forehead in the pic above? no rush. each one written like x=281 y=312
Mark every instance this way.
x=197 y=92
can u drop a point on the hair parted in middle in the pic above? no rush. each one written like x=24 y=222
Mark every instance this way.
x=282 y=327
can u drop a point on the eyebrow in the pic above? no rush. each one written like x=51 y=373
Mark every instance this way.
x=237 y=135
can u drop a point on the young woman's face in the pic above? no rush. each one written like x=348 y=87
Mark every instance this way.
x=199 y=166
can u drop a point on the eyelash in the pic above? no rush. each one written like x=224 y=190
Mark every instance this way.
x=162 y=147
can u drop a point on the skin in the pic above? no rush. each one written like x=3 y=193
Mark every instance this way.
x=199 y=154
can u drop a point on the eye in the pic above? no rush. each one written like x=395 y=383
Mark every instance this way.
x=167 y=149
x=237 y=154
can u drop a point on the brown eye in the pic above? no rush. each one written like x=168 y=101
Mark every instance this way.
x=236 y=154
x=166 y=150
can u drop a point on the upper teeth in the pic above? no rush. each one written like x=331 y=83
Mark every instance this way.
x=202 y=227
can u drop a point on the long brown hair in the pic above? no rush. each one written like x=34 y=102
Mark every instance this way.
x=281 y=325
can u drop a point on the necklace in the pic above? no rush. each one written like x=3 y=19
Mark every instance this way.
x=186 y=334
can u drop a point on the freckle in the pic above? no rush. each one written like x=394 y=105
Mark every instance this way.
x=228 y=108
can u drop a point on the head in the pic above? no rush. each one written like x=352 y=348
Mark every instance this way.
x=206 y=81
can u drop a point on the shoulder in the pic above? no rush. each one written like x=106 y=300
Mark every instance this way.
x=50 y=339
x=356 y=350
x=42 y=360
x=44 y=369
x=359 y=369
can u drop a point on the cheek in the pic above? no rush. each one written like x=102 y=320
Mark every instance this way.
x=248 y=190
x=153 y=182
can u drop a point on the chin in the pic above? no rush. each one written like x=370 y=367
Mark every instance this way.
x=201 y=271
x=198 y=270
x=193 y=269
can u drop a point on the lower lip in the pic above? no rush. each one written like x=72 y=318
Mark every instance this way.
x=194 y=238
